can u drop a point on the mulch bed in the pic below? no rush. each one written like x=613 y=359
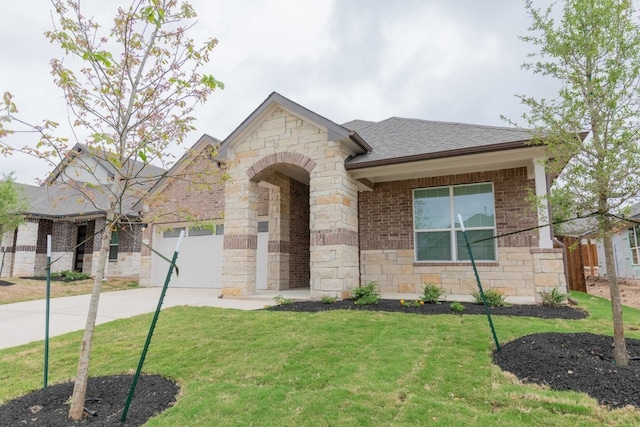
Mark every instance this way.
x=105 y=395
x=543 y=312
x=580 y=362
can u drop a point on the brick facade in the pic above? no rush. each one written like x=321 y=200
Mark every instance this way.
x=299 y=272
x=386 y=241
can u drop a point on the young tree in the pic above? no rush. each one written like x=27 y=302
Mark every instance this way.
x=594 y=52
x=11 y=205
x=130 y=95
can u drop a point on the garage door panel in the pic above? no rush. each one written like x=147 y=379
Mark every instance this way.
x=199 y=261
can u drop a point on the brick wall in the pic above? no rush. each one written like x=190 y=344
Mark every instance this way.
x=521 y=272
x=196 y=193
x=386 y=214
x=299 y=273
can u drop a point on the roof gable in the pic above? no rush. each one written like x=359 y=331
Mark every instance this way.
x=204 y=142
x=335 y=132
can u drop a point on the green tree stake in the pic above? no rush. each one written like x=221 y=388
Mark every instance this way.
x=475 y=271
x=153 y=325
x=46 y=315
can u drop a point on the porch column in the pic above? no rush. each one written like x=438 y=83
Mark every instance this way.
x=334 y=227
x=240 y=238
x=544 y=233
x=278 y=251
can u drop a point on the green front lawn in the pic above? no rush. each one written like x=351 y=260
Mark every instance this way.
x=332 y=368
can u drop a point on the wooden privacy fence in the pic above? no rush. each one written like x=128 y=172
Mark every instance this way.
x=575 y=263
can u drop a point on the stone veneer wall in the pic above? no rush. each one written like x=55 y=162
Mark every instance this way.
x=387 y=255
x=284 y=139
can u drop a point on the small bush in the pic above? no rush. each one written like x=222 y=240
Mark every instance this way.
x=365 y=295
x=326 y=299
x=411 y=303
x=494 y=298
x=71 y=275
x=431 y=293
x=553 y=298
x=457 y=307
x=280 y=300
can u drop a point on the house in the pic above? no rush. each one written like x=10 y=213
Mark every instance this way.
x=312 y=203
x=626 y=249
x=72 y=217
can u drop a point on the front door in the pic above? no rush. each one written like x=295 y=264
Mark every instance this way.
x=79 y=256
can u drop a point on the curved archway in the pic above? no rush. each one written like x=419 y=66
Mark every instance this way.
x=263 y=167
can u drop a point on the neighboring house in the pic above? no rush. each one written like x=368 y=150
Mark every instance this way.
x=312 y=203
x=67 y=215
x=626 y=250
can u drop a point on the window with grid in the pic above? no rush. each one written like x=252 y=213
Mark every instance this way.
x=114 y=244
x=438 y=235
x=634 y=243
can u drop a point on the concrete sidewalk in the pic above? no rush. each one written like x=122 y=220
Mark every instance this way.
x=24 y=322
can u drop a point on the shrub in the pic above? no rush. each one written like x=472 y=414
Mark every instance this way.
x=494 y=298
x=457 y=307
x=280 y=300
x=326 y=299
x=411 y=303
x=365 y=295
x=431 y=293
x=71 y=275
x=553 y=298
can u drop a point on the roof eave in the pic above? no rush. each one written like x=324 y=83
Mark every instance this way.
x=441 y=154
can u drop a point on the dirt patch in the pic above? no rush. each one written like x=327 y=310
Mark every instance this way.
x=32 y=289
x=629 y=294
x=580 y=362
x=105 y=395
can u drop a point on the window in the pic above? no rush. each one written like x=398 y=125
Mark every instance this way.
x=172 y=232
x=200 y=231
x=114 y=244
x=438 y=236
x=634 y=243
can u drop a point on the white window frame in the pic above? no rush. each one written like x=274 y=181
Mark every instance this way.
x=634 y=244
x=453 y=229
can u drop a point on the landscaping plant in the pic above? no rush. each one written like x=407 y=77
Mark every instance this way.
x=431 y=293
x=493 y=298
x=367 y=294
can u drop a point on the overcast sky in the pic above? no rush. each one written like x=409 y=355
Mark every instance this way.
x=448 y=60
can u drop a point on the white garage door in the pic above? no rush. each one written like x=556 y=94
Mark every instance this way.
x=200 y=257
x=199 y=260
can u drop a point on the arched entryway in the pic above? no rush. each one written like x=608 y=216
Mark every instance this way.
x=283 y=213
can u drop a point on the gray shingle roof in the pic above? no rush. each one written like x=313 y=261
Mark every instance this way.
x=59 y=200
x=398 y=138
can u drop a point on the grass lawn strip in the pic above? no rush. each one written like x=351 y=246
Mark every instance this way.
x=329 y=368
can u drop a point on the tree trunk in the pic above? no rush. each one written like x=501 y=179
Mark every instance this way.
x=76 y=410
x=620 y=346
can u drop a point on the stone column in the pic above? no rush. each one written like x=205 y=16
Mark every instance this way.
x=278 y=251
x=240 y=237
x=334 y=227
x=25 y=250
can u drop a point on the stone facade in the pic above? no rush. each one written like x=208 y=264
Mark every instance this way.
x=278 y=143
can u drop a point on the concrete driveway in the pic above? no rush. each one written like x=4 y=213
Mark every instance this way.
x=24 y=322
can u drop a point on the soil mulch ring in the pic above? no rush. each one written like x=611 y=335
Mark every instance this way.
x=580 y=362
x=539 y=311
x=105 y=395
